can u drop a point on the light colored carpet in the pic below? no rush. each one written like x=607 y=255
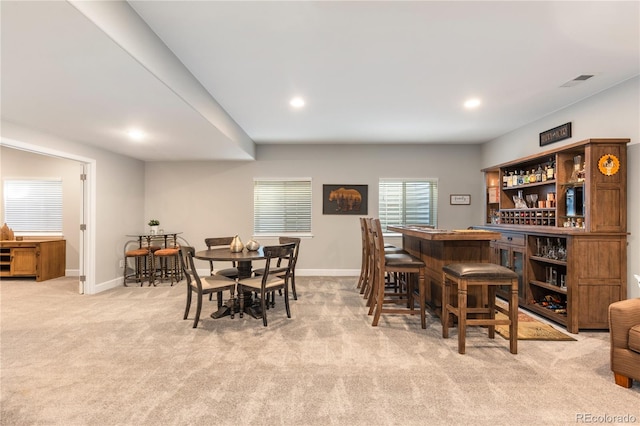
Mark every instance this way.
x=126 y=357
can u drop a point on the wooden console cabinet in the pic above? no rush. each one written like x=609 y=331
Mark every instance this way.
x=571 y=257
x=42 y=259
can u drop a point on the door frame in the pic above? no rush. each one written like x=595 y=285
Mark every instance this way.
x=87 y=245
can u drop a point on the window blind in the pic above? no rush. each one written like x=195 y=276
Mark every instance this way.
x=281 y=206
x=33 y=205
x=408 y=201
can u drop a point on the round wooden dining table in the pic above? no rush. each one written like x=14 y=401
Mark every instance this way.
x=244 y=262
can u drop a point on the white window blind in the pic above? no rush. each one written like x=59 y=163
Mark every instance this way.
x=407 y=202
x=33 y=205
x=281 y=206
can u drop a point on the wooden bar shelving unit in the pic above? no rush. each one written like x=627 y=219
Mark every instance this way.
x=576 y=287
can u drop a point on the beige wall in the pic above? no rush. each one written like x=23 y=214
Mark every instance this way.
x=205 y=199
x=614 y=113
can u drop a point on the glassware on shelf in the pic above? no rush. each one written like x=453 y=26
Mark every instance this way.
x=578 y=173
x=561 y=251
x=533 y=200
x=519 y=201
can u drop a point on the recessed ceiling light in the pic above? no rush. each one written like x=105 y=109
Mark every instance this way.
x=297 y=102
x=472 y=103
x=136 y=134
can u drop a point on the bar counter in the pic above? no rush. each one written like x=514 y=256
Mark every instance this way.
x=439 y=247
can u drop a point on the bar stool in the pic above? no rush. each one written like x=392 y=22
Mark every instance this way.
x=405 y=265
x=393 y=279
x=364 y=267
x=168 y=262
x=141 y=259
x=489 y=275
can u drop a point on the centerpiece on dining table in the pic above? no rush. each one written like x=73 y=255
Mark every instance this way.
x=252 y=245
x=236 y=245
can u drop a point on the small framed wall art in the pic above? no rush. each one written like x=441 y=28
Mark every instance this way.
x=345 y=199
x=459 y=199
x=556 y=134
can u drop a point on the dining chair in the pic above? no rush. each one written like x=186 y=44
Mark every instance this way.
x=219 y=242
x=282 y=269
x=276 y=278
x=202 y=286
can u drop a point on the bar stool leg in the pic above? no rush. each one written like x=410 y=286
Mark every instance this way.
x=462 y=315
x=422 y=291
x=491 y=328
x=446 y=295
x=513 y=316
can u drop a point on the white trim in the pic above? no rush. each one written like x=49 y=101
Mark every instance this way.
x=107 y=285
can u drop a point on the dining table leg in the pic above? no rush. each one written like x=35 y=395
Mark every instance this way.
x=251 y=307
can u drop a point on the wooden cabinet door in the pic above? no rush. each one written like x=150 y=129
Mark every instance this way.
x=23 y=261
x=513 y=257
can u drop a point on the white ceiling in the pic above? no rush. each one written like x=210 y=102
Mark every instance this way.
x=217 y=76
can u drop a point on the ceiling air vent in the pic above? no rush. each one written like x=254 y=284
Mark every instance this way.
x=579 y=79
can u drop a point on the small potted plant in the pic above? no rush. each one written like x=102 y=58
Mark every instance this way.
x=154 y=224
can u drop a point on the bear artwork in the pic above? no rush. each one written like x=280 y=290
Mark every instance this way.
x=347 y=199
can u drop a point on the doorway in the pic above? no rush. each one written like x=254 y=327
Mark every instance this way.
x=86 y=243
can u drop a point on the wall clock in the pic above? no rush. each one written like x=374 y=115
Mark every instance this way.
x=608 y=164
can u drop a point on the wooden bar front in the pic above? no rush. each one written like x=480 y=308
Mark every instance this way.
x=437 y=247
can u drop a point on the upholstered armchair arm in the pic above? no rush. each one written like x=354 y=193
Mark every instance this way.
x=622 y=316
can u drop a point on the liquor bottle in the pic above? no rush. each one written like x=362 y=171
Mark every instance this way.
x=505 y=180
x=539 y=174
x=532 y=176
x=551 y=170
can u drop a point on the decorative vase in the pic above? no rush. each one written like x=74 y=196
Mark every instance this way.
x=154 y=229
x=6 y=233
x=252 y=245
x=236 y=245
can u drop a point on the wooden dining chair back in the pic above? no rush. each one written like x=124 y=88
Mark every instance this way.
x=219 y=242
x=202 y=286
x=273 y=278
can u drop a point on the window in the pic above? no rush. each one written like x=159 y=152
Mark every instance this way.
x=281 y=206
x=408 y=201
x=33 y=205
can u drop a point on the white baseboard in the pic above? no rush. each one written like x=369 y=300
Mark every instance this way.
x=108 y=285
x=117 y=282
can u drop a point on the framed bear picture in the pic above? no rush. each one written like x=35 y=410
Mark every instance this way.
x=345 y=199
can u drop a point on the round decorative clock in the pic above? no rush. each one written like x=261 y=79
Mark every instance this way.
x=608 y=164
